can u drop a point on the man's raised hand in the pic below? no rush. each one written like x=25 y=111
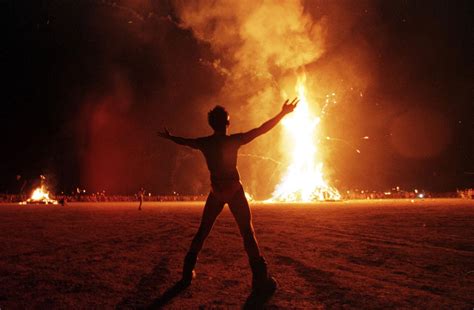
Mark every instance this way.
x=289 y=107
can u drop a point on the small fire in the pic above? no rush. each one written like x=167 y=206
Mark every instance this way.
x=304 y=179
x=40 y=195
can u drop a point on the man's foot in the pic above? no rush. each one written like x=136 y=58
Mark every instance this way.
x=262 y=282
x=188 y=278
x=261 y=293
x=188 y=268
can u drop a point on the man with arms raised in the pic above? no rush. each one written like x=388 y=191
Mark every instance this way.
x=220 y=151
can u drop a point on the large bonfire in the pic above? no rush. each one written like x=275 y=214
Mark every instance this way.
x=40 y=196
x=303 y=180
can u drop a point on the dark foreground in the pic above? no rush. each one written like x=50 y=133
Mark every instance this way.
x=360 y=254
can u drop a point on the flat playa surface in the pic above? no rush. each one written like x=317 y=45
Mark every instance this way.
x=354 y=254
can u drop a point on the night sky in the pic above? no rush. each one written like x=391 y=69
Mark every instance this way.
x=87 y=84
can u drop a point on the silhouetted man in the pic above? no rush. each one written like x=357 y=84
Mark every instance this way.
x=141 y=196
x=220 y=152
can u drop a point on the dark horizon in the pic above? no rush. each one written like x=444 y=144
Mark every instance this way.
x=87 y=85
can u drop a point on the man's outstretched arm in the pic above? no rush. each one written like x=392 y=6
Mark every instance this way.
x=265 y=127
x=178 y=140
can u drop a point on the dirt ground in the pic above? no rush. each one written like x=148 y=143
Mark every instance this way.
x=357 y=254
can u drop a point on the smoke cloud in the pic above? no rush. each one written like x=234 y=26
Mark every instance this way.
x=260 y=47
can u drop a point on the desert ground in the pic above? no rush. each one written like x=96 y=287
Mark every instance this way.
x=350 y=254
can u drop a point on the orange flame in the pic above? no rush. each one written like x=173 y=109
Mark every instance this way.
x=304 y=179
x=40 y=195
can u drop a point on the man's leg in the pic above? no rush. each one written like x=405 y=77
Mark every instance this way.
x=212 y=209
x=240 y=209
x=261 y=281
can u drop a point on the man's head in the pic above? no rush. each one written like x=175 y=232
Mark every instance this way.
x=218 y=118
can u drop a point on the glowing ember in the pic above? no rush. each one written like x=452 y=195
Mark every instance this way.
x=40 y=195
x=303 y=180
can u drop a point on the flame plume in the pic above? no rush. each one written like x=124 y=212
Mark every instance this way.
x=40 y=195
x=304 y=179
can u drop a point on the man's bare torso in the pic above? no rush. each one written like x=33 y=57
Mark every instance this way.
x=220 y=152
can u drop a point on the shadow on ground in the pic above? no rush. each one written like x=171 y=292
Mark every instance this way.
x=325 y=289
x=145 y=291
x=168 y=295
x=144 y=294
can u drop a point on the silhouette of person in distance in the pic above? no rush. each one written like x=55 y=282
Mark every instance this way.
x=141 y=197
x=220 y=151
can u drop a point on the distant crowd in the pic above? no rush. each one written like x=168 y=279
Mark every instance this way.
x=11 y=198
x=346 y=195
x=466 y=193
x=396 y=193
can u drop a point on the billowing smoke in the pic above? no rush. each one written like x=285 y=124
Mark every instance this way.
x=260 y=47
x=256 y=44
x=257 y=37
